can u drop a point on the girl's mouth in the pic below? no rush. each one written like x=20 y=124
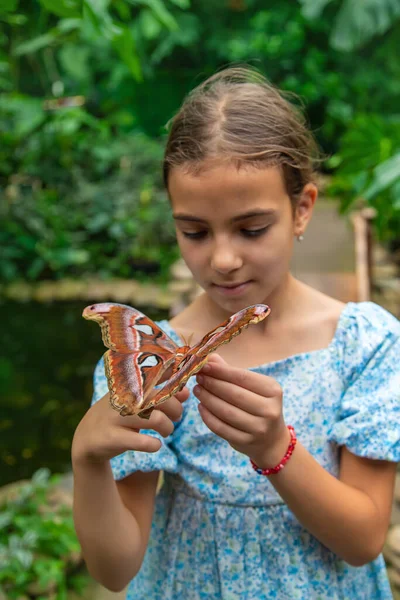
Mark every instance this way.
x=232 y=290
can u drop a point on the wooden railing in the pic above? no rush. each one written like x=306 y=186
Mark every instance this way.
x=363 y=246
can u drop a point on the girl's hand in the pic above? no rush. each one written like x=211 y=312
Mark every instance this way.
x=103 y=433
x=245 y=409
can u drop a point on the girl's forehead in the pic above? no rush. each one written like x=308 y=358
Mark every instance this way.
x=227 y=187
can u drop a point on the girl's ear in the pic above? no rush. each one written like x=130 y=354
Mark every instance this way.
x=304 y=208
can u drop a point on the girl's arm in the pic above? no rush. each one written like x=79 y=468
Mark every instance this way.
x=113 y=521
x=349 y=515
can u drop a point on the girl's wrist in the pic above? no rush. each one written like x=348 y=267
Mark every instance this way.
x=272 y=456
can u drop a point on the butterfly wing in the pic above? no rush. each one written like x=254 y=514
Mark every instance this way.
x=197 y=356
x=139 y=354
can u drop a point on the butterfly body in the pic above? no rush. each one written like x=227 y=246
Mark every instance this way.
x=140 y=355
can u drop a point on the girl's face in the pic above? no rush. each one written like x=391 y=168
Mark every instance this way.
x=235 y=229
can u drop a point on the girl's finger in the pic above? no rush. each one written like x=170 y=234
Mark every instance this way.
x=172 y=408
x=255 y=382
x=158 y=421
x=227 y=412
x=216 y=359
x=183 y=394
x=127 y=440
x=248 y=401
x=223 y=430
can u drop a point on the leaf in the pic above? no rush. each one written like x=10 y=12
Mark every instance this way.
x=184 y=4
x=8 y=6
x=30 y=538
x=75 y=60
x=358 y=22
x=41 y=477
x=125 y=45
x=67 y=25
x=160 y=12
x=39 y=42
x=27 y=114
x=385 y=175
x=395 y=194
x=149 y=25
x=118 y=34
x=24 y=557
x=5 y=519
x=96 y=13
x=187 y=34
x=312 y=9
x=14 y=543
x=63 y=8
x=47 y=39
x=98 y=222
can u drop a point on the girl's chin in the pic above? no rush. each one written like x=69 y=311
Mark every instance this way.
x=232 y=303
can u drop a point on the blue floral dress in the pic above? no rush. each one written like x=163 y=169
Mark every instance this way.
x=220 y=531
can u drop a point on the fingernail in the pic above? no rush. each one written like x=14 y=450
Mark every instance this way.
x=196 y=389
x=206 y=369
x=200 y=379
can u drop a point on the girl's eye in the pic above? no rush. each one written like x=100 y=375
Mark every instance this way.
x=254 y=232
x=250 y=233
x=194 y=235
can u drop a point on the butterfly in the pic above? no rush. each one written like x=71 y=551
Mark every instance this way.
x=141 y=355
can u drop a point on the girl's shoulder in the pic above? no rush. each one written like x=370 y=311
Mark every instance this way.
x=369 y=321
x=367 y=356
x=367 y=338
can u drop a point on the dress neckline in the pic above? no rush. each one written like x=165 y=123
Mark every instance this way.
x=293 y=357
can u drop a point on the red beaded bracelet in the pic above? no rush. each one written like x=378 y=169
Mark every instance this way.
x=279 y=467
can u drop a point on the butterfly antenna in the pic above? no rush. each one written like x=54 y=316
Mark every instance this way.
x=188 y=341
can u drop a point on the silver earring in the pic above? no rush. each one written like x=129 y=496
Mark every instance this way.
x=300 y=238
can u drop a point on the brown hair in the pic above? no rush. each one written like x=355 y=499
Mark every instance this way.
x=238 y=116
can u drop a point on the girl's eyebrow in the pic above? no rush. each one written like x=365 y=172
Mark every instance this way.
x=247 y=215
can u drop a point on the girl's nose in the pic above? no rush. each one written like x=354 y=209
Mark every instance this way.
x=224 y=259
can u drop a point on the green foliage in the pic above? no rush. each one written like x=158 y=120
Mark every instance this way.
x=294 y=53
x=355 y=23
x=367 y=167
x=8 y=6
x=37 y=542
x=103 y=210
x=105 y=20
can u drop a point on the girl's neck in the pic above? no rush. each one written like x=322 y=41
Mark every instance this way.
x=302 y=319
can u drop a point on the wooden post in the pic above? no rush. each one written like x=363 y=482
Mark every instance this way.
x=363 y=241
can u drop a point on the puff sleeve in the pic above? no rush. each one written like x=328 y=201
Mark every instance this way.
x=369 y=416
x=129 y=462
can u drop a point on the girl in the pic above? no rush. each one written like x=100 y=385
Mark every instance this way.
x=234 y=520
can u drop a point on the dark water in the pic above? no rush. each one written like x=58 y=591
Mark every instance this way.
x=47 y=357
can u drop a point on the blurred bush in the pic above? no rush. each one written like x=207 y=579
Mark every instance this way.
x=86 y=203
x=366 y=164
x=367 y=167
x=39 y=550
